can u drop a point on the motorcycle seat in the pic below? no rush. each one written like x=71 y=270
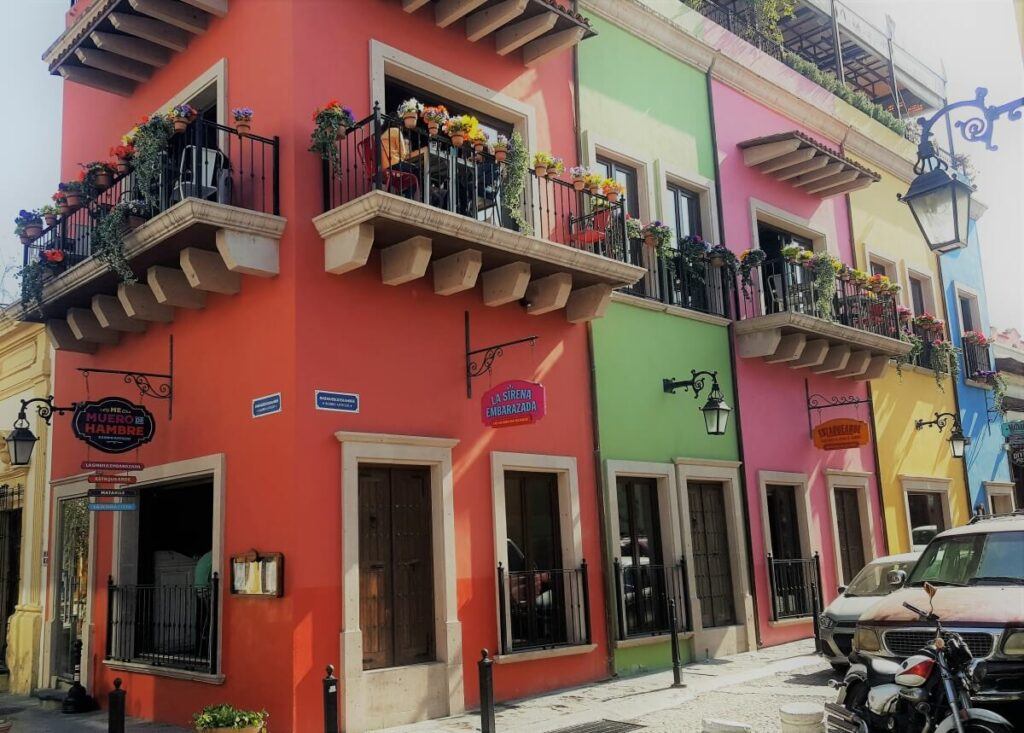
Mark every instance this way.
x=882 y=670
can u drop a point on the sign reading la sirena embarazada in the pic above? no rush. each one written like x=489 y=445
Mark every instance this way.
x=516 y=402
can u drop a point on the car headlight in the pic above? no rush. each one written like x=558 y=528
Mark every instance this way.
x=1014 y=644
x=866 y=640
x=825 y=621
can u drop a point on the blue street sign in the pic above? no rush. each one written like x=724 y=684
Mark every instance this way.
x=122 y=507
x=267 y=405
x=337 y=401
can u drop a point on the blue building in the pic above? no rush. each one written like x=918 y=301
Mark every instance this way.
x=988 y=470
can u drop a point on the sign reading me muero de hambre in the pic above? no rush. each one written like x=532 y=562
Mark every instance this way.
x=840 y=434
x=516 y=402
x=113 y=424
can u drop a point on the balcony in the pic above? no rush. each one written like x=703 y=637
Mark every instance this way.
x=643 y=593
x=852 y=334
x=212 y=217
x=543 y=609
x=672 y=280
x=116 y=44
x=977 y=361
x=795 y=587
x=421 y=201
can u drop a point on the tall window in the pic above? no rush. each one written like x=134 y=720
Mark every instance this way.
x=783 y=522
x=395 y=92
x=927 y=518
x=627 y=177
x=967 y=319
x=686 y=212
x=917 y=295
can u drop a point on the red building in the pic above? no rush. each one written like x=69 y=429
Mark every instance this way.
x=384 y=529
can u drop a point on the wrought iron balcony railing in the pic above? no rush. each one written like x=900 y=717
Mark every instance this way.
x=795 y=587
x=164 y=626
x=543 y=609
x=208 y=161
x=380 y=154
x=977 y=361
x=643 y=593
x=673 y=279
x=781 y=286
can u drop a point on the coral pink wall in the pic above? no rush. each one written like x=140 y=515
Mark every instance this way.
x=400 y=348
x=772 y=397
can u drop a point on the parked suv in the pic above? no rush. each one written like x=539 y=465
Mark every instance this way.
x=980 y=568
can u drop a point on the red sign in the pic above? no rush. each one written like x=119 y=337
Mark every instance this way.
x=840 y=434
x=104 y=478
x=516 y=402
x=111 y=466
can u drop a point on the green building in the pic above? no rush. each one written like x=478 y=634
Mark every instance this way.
x=673 y=496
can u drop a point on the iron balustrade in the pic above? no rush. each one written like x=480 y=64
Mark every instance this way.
x=378 y=153
x=926 y=356
x=977 y=360
x=208 y=161
x=779 y=286
x=543 y=609
x=673 y=280
x=643 y=593
x=794 y=587
x=172 y=626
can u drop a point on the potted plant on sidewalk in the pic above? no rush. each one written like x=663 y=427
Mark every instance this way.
x=243 y=119
x=227 y=719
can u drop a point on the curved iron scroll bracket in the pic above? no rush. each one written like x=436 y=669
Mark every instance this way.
x=141 y=380
x=817 y=402
x=973 y=129
x=941 y=421
x=480 y=361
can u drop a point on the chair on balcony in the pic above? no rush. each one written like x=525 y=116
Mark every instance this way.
x=589 y=230
x=211 y=182
x=402 y=182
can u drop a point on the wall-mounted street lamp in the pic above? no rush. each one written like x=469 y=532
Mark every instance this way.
x=716 y=411
x=21 y=440
x=940 y=201
x=958 y=442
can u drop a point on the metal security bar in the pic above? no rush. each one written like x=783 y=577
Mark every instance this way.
x=378 y=153
x=542 y=609
x=977 y=360
x=172 y=626
x=11 y=498
x=925 y=356
x=643 y=593
x=795 y=587
x=780 y=285
x=208 y=161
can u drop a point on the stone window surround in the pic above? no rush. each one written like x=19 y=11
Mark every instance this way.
x=570 y=527
x=927 y=288
x=861 y=482
x=998 y=488
x=436 y=454
x=926 y=484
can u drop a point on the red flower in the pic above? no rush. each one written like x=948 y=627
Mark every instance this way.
x=53 y=255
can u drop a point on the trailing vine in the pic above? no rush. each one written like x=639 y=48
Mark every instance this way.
x=33 y=275
x=824 y=284
x=944 y=361
x=513 y=175
x=998 y=393
x=108 y=241
x=768 y=13
x=150 y=140
x=330 y=124
x=916 y=347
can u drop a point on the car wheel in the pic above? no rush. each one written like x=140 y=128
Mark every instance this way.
x=840 y=667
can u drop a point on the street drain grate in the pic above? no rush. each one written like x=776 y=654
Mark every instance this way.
x=600 y=726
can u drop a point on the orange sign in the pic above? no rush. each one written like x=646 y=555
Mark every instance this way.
x=840 y=434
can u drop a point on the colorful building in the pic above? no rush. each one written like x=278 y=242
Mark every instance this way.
x=672 y=492
x=325 y=483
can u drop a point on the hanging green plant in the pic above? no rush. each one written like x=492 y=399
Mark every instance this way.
x=998 y=393
x=150 y=141
x=944 y=360
x=749 y=260
x=513 y=177
x=32 y=276
x=824 y=285
x=330 y=124
x=108 y=238
x=916 y=347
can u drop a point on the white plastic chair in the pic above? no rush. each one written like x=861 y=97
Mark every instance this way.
x=210 y=162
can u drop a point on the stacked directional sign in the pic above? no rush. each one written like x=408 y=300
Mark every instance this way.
x=112 y=489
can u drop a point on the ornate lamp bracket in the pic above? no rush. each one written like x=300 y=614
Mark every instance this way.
x=975 y=129
x=695 y=383
x=480 y=361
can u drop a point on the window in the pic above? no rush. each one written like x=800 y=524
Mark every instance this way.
x=783 y=522
x=927 y=517
x=995 y=558
x=785 y=287
x=686 y=212
x=791 y=576
x=395 y=92
x=969 y=320
x=645 y=581
x=627 y=177
x=877 y=268
x=919 y=295
x=849 y=532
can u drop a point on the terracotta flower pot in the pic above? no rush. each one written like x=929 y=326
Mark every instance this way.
x=612 y=196
x=242 y=127
x=458 y=139
x=123 y=165
x=65 y=209
x=180 y=123
x=342 y=132
x=500 y=155
x=410 y=120
x=74 y=200
x=102 y=181
x=594 y=190
x=845 y=277
x=24 y=238
x=478 y=147
x=578 y=184
x=33 y=230
x=552 y=173
x=50 y=220
x=134 y=222
x=650 y=241
x=540 y=170
x=432 y=128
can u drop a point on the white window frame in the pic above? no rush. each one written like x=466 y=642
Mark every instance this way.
x=726 y=473
x=407 y=693
x=891 y=271
x=215 y=75
x=927 y=289
x=922 y=485
x=822 y=234
x=972 y=295
x=594 y=145
x=999 y=488
x=569 y=524
x=861 y=483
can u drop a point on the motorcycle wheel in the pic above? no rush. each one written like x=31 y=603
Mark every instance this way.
x=980 y=726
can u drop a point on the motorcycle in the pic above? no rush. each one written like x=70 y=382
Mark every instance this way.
x=930 y=692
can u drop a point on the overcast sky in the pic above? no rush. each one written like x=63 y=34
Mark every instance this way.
x=976 y=39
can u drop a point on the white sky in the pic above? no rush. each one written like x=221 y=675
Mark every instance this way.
x=977 y=39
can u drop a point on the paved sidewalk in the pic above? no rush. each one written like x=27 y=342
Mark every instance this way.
x=747 y=688
x=28 y=717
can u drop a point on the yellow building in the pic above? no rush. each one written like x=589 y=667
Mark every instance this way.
x=922 y=484
x=24 y=373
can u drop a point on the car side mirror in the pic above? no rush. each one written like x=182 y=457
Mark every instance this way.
x=896 y=578
x=841 y=589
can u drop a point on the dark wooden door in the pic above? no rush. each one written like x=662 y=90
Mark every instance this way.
x=712 y=568
x=396 y=574
x=851 y=541
x=783 y=521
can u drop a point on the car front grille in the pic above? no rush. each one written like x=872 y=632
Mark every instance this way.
x=904 y=643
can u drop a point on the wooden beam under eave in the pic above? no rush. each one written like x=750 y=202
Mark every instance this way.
x=763 y=153
x=132 y=48
x=537 y=51
x=840 y=179
x=447 y=12
x=411 y=6
x=787 y=160
x=213 y=7
x=113 y=63
x=186 y=17
x=102 y=80
x=793 y=171
x=514 y=36
x=829 y=170
x=150 y=29
x=484 y=22
x=862 y=182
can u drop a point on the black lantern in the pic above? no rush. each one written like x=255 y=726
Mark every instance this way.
x=20 y=442
x=716 y=411
x=941 y=205
x=958 y=442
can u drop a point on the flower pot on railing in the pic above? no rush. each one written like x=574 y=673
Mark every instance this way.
x=65 y=209
x=578 y=184
x=457 y=139
x=74 y=200
x=102 y=180
x=33 y=230
x=432 y=128
x=717 y=261
x=612 y=196
x=541 y=171
x=242 y=127
x=409 y=118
